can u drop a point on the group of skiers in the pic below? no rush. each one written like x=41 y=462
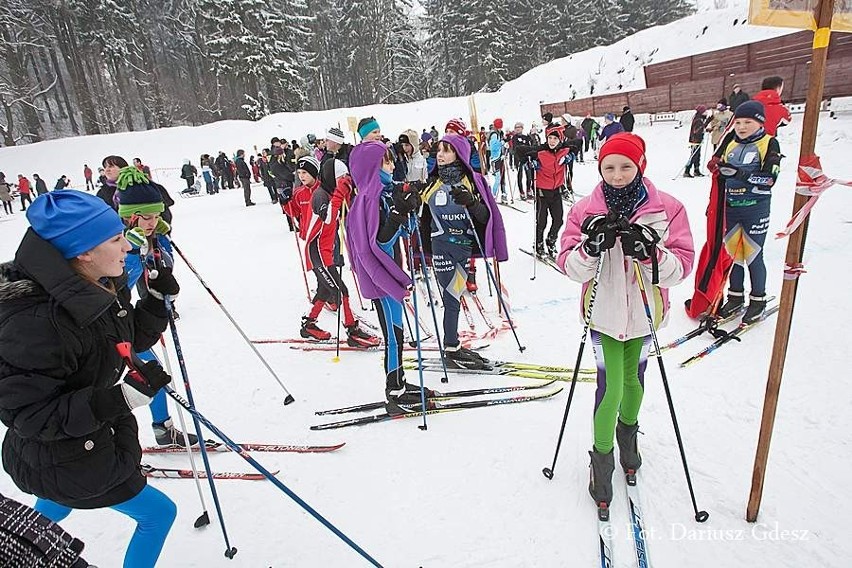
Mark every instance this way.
x=70 y=330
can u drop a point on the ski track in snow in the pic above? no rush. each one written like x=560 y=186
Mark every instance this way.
x=469 y=492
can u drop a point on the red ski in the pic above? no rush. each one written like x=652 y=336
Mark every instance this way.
x=171 y=473
x=217 y=447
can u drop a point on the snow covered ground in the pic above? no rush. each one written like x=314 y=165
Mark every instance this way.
x=469 y=491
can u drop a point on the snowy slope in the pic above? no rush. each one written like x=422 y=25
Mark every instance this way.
x=469 y=492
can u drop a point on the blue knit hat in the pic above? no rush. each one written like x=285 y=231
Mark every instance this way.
x=73 y=221
x=751 y=109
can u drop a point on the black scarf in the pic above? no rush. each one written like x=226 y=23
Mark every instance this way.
x=625 y=200
x=451 y=174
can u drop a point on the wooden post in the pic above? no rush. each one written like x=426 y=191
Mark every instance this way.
x=795 y=252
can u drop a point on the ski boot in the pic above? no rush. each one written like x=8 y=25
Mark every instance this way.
x=402 y=398
x=697 y=174
x=551 y=249
x=357 y=337
x=628 y=450
x=686 y=173
x=310 y=330
x=755 y=310
x=600 y=481
x=539 y=250
x=167 y=435
x=733 y=305
x=459 y=357
x=471 y=281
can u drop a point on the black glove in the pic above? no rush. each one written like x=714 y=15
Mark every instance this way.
x=285 y=194
x=463 y=196
x=601 y=231
x=406 y=198
x=141 y=385
x=639 y=241
x=161 y=282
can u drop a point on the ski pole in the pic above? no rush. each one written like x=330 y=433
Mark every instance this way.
x=536 y=205
x=700 y=516
x=417 y=338
x=548 y=471
x=445 y=378
x=237 y=449
x=288 y=398
x=521 y=348
x=204 y=518
x=301 y=258
x=133 y=363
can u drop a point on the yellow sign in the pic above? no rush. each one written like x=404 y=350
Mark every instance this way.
x=799 y=14
x=352 y=121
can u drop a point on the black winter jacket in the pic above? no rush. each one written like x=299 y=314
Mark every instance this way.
x=627 y=120
x=71 y=438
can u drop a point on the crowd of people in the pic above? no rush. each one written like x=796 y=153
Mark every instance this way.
x=393 y=206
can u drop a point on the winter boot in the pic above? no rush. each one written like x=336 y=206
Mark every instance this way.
x=733 y=305
x=628 y=449
x=459 y=357
x=755 y=310
x=600 y=477
x=310 y=330
x=167 y=435
x=686 y=173
x=357 y=337
x=551 y=248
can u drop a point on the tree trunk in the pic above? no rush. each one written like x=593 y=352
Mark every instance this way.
x=41 y=87
x=123 y=94
x=75 y=128
x=71 y=54
x=18 y=76
x=8 y=137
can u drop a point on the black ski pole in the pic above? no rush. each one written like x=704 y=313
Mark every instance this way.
x=521 y=348
x=700 y=516
x=548 y=471
x=288 y=398
x=237 y=449
x=445 y=378
x=133 y=363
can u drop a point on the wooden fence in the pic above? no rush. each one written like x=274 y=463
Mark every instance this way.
x=703 y=79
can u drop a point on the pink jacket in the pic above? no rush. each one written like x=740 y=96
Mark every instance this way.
x=619 y=311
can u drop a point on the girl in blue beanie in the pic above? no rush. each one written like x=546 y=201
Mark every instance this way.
x=65 y=307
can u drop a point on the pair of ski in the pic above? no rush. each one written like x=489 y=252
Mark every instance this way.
x=711 y=325
x=637 y=527
x=435 y=406
x=544 y=259
x=506 y=369
x=214 y=447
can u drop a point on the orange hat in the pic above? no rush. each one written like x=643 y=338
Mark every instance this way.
x=625 y=144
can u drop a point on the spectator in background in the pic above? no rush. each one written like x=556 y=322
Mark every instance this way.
x=62 y=183
x=611 y=128
x=255 y=168
x=137 y=162
x=737 y=97
x=24 y=190
x=40 y=186
x=696 y=139
x=6 y=195
x=101 y=178
x=244 y=175
x=188 y=173
x=87 y=173
x=721 y=117
x=770 y=97
x=627 y=119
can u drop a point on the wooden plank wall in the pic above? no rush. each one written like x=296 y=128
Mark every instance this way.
x=687 y=82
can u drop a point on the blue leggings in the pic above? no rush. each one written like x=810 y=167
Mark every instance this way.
x=154 y=514
x=389 y=311
x=158 y=406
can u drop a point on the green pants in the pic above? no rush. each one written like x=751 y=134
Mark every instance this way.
x=621 y=384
